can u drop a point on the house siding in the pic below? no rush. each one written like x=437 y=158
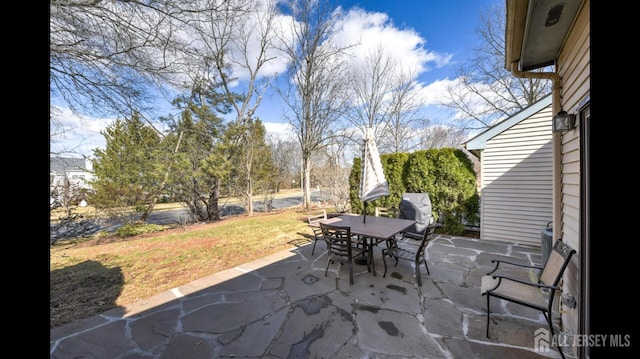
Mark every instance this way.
x=67 y=176
x=516 y=195
x=574 y=69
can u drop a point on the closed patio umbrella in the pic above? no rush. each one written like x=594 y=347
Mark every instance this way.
x=373 y=183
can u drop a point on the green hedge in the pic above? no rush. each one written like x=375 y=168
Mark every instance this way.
x=446 y=174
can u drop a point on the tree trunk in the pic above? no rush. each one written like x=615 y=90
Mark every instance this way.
x=306 y=184
x=163 y=185
x=249 y=197
x=214 y=196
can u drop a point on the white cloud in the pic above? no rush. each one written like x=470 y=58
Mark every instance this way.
x=437 y=94
x=434 y=93
x=277 y=63
x=283 y=131
x=73 y=135
x=371 y=30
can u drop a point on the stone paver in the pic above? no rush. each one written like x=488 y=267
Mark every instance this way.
x=283 y=306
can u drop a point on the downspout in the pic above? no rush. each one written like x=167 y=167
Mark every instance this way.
x=556 y=139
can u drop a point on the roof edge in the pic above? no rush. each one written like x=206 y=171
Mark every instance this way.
x=479 y=141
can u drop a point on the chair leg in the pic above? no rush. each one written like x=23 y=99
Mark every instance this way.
x=418 y=275
x=488 y=314
x=350 y=273
x=327 y=269
x=384 y=261
x=548 y=318
x=371 y=266
x=314 y=246
x=425 y=265
x=560 y=350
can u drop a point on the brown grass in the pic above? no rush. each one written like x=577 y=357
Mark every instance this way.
x=90 y=277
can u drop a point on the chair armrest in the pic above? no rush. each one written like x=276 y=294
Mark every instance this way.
x=410 y=235
x=539 y=285
x=498 y=261
x=408 y=244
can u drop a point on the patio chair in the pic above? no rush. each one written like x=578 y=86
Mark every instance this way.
x=387 y=212
x=342 y=247
x=317 y=232
x=538 y=295
x=409 y=252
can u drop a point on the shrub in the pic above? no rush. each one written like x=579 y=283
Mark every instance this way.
x=446 y=174
x=130 y=230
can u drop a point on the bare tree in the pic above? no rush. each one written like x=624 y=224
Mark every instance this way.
x=315 y=95
x=371 y=87
x=486 y=90
x=106 y=56
x=115 y=58
x=439 y=136
x=333 y=174
x=384 y=99
x=399 y=134
x=237 y=37
x=286 y=160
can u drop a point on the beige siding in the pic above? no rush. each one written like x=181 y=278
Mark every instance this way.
x=517 y=181
x=574 y=68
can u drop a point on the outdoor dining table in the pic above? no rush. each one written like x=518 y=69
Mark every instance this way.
x=375 y=229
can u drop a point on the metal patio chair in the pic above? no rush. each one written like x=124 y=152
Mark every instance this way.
x=538 y=295
x=313 y=218
x=410 y=252
x=342 y=247
x=390 y=212
x=387 y=212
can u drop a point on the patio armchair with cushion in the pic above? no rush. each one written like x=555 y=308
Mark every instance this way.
x=537 y=295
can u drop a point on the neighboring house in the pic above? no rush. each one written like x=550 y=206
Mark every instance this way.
x=516 y=175
x=69 y=179
x=540 y=33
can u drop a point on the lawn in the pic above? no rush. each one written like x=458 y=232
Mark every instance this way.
x=91 y=276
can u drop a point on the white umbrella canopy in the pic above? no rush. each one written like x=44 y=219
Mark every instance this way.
x=373 y=183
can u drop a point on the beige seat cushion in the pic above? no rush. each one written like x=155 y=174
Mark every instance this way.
x=514 y=291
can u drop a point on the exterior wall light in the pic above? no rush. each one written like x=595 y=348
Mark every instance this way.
x=563 y=122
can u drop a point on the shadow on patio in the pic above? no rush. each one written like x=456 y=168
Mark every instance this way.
x=282 y=306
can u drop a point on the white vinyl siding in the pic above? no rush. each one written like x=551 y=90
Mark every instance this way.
x=574 y=68
x=516 y=167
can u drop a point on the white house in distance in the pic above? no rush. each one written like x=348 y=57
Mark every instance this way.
x=516 y=173
x=68 y=179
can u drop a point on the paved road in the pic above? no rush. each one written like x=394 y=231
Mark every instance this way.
x=182 y=216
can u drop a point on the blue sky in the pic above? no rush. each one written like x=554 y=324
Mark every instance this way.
x=435 y=35
x=447 y=26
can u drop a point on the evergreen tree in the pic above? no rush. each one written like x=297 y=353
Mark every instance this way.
x=201 y=150
x=127 y=171
x=253 y=166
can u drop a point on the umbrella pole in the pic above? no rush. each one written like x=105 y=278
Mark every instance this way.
x=364 y=213
x=363 y=177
